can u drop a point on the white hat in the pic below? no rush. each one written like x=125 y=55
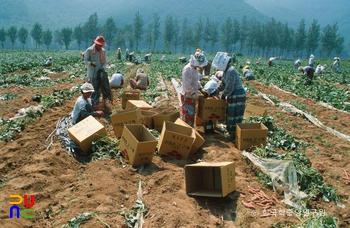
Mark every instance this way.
x=312 y=56
x=198 y=60
x=87 y=87
x=213 y=77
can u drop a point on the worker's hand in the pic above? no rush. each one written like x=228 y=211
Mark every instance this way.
x=99 y=113
x=223 y=97
x=195 y=96
x=205 y=94
x=93 y=64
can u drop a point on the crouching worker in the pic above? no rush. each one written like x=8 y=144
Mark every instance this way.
x=141 y=81
x=211 y=85
x=309 y=72
x=248 y=73
x=83 y=106
x=117 y=80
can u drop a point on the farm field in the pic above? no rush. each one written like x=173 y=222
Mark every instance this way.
x=101 y=191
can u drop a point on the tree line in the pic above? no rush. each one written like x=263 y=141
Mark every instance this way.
x=251 y=36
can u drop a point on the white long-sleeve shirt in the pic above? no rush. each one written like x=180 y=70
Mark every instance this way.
x=190 y=78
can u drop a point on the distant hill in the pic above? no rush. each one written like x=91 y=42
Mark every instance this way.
x=55 y=14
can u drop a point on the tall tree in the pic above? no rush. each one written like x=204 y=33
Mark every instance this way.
x=78 y=35
x=176 y=34
x=198 y=32
x=37 y=34
x=12 y=34
x=285 y=39
x=2 y=36
x=149 y=36
x=109 y=31
x=270 y=33
x=156 y=28
x=243 y=33
x=330 y=39
x=206 y=33
x=91 y=28
x=67 y=38
x=59 y=38
x=23 y=35
x=312 y=37
x=236 y=33
x=300 y=37
x=129 y=36
x=226 y=30
x=138 y=28
x=47 y=38
x=168 y=33
x=184 y=33
x=213 y=35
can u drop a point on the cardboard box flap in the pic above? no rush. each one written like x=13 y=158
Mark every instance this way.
x=253 y=110
x=198 y=142
x=139 y=133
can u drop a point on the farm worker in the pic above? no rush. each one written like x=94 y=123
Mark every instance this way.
x=183 y=59
x=248 y=73
x=211 y=85
x=308 y=71
x=162 y=59
x=117 y=80
x=48 y=62
x=95 y=59
x=138 y=60
x=190 y=86
x=207 y=68
x=312 y=60
x=297 y=64
x=119 y=54
x=219 y=74
x=269 y=62
x=336 y=65
x=235 y=96
x=148 y=57
x=127 y=54
x=131 y=56
x=83 y=106
x=233 y=58
x=320 y=69
x=141 y=81
x=258 y=62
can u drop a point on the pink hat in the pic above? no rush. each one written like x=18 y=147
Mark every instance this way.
x=100 y=40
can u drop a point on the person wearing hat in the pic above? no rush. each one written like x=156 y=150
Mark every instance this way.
x=191 y=86
x=234 y=94
x=141 y=81
x=336 y=65
x=308 y=71
x=95 y=59
x=117 y=80
x=182 y=59
x=297 y=64
x=126 y=54
x=258 y=62
x=148 y=57
x=48 y=62
x=248 y=73
x=312 y=60
x=270 y=61
x=119 y=54
x=320 y=69
x=211 y=85
x=83 y=106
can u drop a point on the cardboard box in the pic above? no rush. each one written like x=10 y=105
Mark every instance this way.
x=211 y=108
x=85 y=132
x=214 y=179
x=198 y=142
x=147 y=118
x=137 y=144
x=253 y=110
x=176 y=140
x=162 y=109
x=130 y=95
x=127 y=116
x=138 y=104
x=198 y=121
x=159 y=119
x=250 y=134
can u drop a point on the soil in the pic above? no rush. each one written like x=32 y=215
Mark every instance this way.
x=64 y=187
